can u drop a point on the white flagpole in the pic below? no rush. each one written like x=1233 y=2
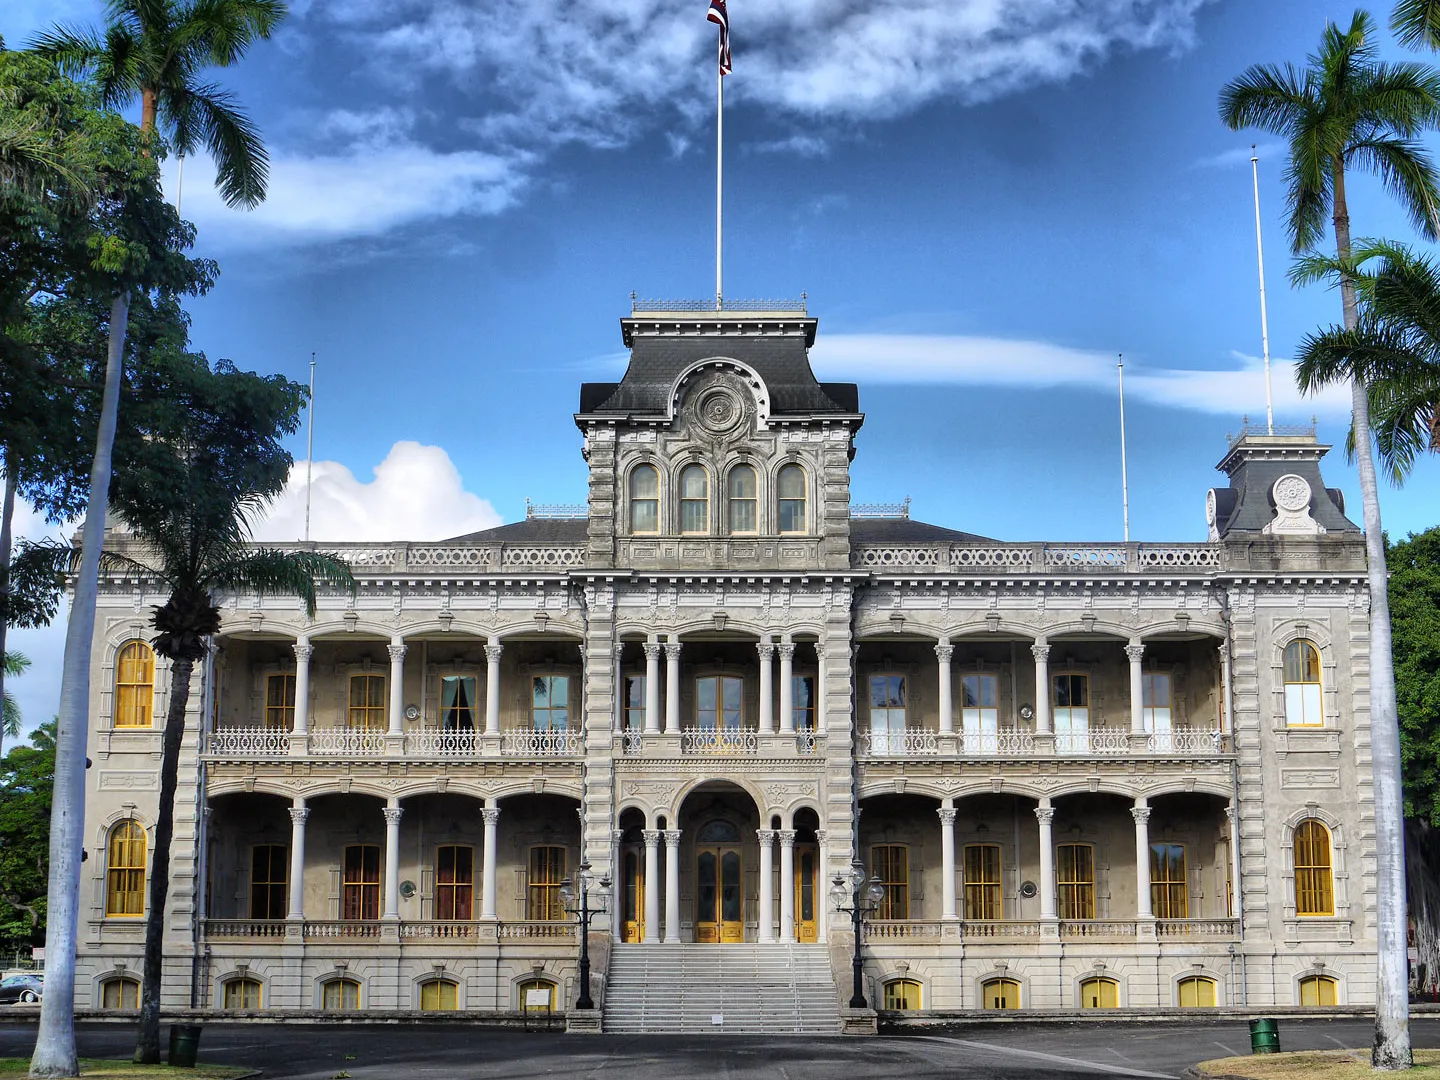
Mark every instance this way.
x=1124 y=479
x=309 y=446
x=719 y=172
x=1264 y=323
x=179 y=183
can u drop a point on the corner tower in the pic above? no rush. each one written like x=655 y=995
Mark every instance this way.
x=719 y=449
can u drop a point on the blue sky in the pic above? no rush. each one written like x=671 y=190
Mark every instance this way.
x=984 y=201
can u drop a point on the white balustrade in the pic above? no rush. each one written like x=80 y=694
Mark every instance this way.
x=1016 y=558
x=537 y=930
x=437 y=930
x=1000 y=929
x=435 y=743
x=1198 y=741
x=544 y=557
x=1093 y=929
x=722 y=741
x=332 y=929
x=244 y=928
x=1197 y=556
x=909 y=556
x=367 y=558
x=878 y=930
x=346 y=742
x=913 y=743
x=425 y=555
x=248 y=742
x=805 y=742
x=1196 y=929
x=632 y=742
x=1085 y=556
x=522 y=742
x=1105 y=742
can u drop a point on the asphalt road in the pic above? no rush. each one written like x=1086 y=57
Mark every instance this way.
x=1016 y=1051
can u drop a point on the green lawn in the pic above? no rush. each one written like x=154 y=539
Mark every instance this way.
x=1317 y=1065
x=92 y=1067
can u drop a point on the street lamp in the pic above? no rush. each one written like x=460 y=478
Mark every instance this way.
x=864 y=894
x=584 y=913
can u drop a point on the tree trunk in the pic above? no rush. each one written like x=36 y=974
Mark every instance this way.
x=1422 y=861
x=1392 y=989
x=148 y=102
x=147 y=1049
x=55 y=1042
x=7 y=518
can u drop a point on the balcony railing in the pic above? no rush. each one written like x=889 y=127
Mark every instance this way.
x=1098 y=929
x=439 y=930
x=249 y=741
x=1000 y=929
x=342 y=929
x=881 y=930
x=346 y=742
x=1197 y=741
x=443 y=744
x=900 y=744
x=952 y=558
x=523 y=742
x=1197 y=929
x=1007 y=742
x=537 y=930
x=1018 y=743
x=1097 y=742
x=722 y=741
x=219 y=929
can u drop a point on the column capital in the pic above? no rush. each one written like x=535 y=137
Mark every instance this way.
x=393 y=815
x=397 y=653
x=1141 y=814
x=492 y=653
x=819 y=836
x=1044 y=814
x=672 y=650
x=618 y=835
x=490 y=815
x=787 y=838
x=1135 y=651
x=303 y=652
x=1232 y=811
x=672 y=838
x=766 y=836
x=766 y=648
x=298 y=814
x=944 y=652
x=786 y=650
x=651 y=837
x=947 y=816
x=652 y=650
x=1040 y=651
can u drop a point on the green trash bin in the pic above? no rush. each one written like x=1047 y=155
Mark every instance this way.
x=1264 y=1037
x=184 y=1045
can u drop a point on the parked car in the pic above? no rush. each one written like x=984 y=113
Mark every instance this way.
x=21 y=989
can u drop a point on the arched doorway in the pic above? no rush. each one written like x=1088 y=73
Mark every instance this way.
x=718 y=822
x=808 y=892
x=632 y=876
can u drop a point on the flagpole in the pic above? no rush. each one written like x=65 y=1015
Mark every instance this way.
x=719 y=175
x=1264 y=323
x=309 y=446
x=1124 y=479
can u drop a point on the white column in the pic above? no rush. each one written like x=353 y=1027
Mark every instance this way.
x=302 y=685
x=492 y=688
x=787 y=686
x=822 y=887
x=392 y=859
x=652 y=688
x=787 y=886
x=298 y=813
x=947 y=861
x=652 y=884
x=1141 y=814
x=767 y=685
x=1136 y=652
x=943 y=652
x=820 y=666
x=1223 y=720
x=1232 y=811
x=488 y=868
x=672 y=886
x=617 y=877
x=1041 y=651
x=1045 y=815
x=397 y=685
x=767 y=885
x=672 y=686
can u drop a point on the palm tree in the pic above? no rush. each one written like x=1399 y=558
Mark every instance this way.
x=1417 y=22
x=1344 y=110
x=1394 y=351
x=14 y=664
x=156 y=50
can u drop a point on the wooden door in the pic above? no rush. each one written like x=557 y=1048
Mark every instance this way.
x=632 y=896
x=807 y=857
x=719 y=900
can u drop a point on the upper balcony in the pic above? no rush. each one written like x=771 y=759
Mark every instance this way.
x=249 y=743
x=1190 y=743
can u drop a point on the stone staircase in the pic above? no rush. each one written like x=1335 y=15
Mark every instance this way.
x=699 y=989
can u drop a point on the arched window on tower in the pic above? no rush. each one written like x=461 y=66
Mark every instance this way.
x=1302 y=685
x=694 y=500
x=741 y=499
x=644 y=499
x=1314 y=877
x=790 y=490
x=134 y=685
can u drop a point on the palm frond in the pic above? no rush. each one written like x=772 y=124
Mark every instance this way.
x=15 y=664
x=242 y=164
x=1265 y=96
x=1405 y=168
x=221 y=30
x=1416 y=23
x=272 y=572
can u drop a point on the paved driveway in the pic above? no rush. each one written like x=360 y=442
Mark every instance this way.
x=1016 y=1051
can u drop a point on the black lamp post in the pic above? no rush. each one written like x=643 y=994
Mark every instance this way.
x=864 y=894
x=584 y=913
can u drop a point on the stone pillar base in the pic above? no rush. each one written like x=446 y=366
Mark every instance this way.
x=583 y=1022
x=859 y=1022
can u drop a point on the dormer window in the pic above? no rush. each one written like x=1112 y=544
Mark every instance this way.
x=742 y=499
x=645 y=500
x=694 y=500
x=790 y=487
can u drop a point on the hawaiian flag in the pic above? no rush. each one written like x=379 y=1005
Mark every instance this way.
x=717 y=14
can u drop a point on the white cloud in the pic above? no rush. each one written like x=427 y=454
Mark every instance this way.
x=1266 y=152
x=417 y=494
x=1002 y=362
x=810 y=146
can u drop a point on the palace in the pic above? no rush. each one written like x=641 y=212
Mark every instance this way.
x=1071 y=775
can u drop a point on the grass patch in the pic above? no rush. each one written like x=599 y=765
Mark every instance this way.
x=102 y=1070
x=1317 y=1065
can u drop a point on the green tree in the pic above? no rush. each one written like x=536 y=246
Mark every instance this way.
x=14 y=664
x=27 y=774
x=1347 y=110
x=157 y=51
x=1417 y=22
x=191 y=504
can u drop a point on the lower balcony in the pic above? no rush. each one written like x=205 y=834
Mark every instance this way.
x=323 y=930
x=981 y=931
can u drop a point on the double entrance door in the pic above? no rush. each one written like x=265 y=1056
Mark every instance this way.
x=719 y=894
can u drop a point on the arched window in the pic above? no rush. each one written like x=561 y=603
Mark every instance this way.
x=1000 y=994
x=1319 y=990
x=740 y=494
x=340 y=995
x=694 y=500
x=120 y=993
x=1196 y=992
x=135 y=686
x=242 y=994
x=439 y=995
x=1099 y=993
x=1302 y=685
x=125 y=869
x=1314 y=882
x=902 y=995
x=790 y=492
x=530 y=994
x=644 y=500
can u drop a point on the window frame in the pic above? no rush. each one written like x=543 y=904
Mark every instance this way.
x=1195 y=982
x=906 y=987
x=802 y=705
x=551 y=679
x=700 y=502
x=461 y=893
x=361 y=895
x=734 y=502
x=988 y=894
x=1314 y=880
x=632 y=711
x=979 y=719
x=1299 y=705
x=128 y=985
x=134 y=705
x=244 y=984
x=367 y=711
x=1080 y=902
x=1070 y=711
x=269 y=883
x=885 y=860
x=280 y=715
x=1151 y=714
x=1096 y=981
x=1165 y=909
x=1317 y=981
x=542 y=898
x=533 y=983
x=345 y=985
x=1008 y=984
x=438 y=986
x=635 y=500
x=721 y=710
x=474 y=706
x=781 y=499
x=128 y=892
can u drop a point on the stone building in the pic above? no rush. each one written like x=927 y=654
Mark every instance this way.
x=1081 y=775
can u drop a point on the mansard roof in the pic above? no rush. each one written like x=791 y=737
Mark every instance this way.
x=574 y=530
x=901 y=530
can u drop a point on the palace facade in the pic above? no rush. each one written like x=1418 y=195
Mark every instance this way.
x=1077 y=775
